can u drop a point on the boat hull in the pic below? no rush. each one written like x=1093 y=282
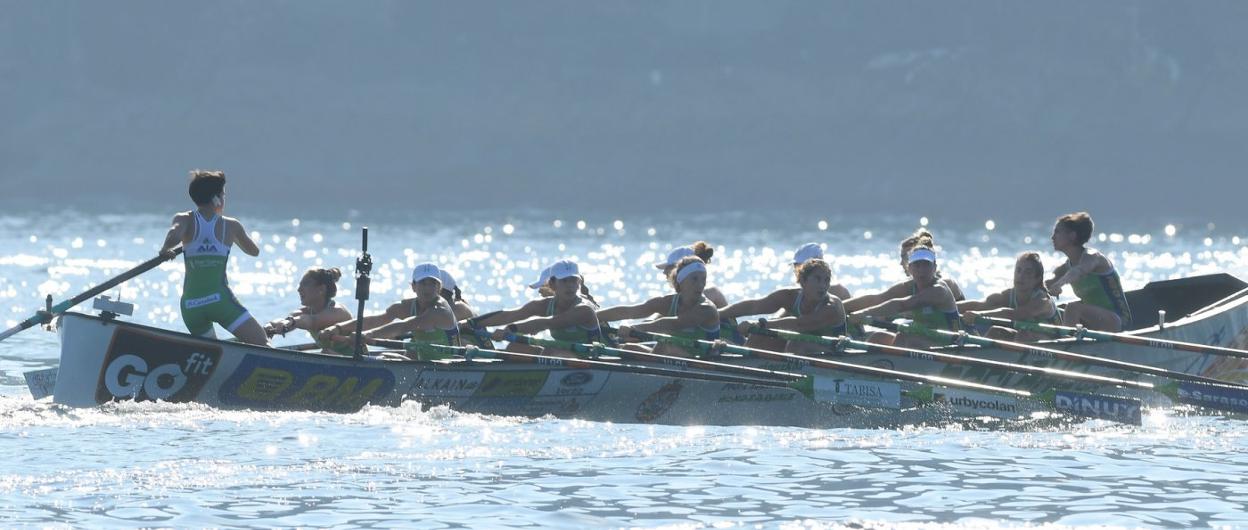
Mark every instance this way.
x=103 y=361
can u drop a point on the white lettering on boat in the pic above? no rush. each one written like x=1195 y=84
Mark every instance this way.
x=128 y=374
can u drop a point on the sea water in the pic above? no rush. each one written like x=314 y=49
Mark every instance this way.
x=166 y=465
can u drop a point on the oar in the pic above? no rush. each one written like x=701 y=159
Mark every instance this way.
x=839 y=343
x=679 y=362
x=1181 y=387
x=470 y=352
x=1081 y=332
x=1113 y=408
x=45 y=316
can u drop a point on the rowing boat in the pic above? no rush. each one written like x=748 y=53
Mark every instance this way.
x=105 y=360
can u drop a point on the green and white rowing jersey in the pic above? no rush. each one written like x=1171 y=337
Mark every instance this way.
x=206 y=295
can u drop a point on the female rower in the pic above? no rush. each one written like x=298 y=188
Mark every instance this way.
x=455 y=297
x=808 y=308
x=702 y=250
x=206 y=237
x=1102 y=304
x=428 y=317
x=569 y=314
x=686 y=313
x=811 y=251
x=908 y=244
x=318 y=309
x=923 y=298
x=1025 y=301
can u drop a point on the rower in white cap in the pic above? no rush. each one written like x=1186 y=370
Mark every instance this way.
x=811 y=251
x=684 y=313
x=569 y=313
x=924 y=299
x=702 y=250
x=428 y=317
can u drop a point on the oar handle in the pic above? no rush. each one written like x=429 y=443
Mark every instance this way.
x=1030 y=349
x=1125 y=338
x=45 y=316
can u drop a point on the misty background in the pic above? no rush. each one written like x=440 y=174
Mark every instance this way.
x=965 y=109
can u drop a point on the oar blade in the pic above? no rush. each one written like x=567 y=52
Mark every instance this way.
x=41 y=382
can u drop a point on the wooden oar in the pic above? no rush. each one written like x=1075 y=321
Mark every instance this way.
x=46 y=315
x=1112 y=408
x=1178 y=386
x=470 y=352
x=1081 y=332
x=679 y=362
x=839 y=343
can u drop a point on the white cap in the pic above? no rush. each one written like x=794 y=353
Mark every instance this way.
x=448 y=281
x=541 y=279
x=674 y=257
x=808 y=251
x=922 y=254
x=564 y=269
x=426 y=270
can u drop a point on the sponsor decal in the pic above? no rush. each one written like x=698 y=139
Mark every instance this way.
x=576 y=378
x=972 y=403
x=270 y=383
x=512 y=383
x=658 y=403
x=144 y=366
x=1225 y=398
x=857 y=392
x=192 y=303
x=574 y=384
x=439 y=383
x=1120 y=409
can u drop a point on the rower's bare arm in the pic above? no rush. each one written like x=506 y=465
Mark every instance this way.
x=824 y=316
x=758 y=306
x=1075 y=272
x=954 y=289
x=840 y=291
x=993 y=301
x=716 y=297
x=581 y=315
x=703 y=316
x=242 y=239
x=177 y=233
x=1051 y=283
x=502 y=318
x=632 y=312
x=856 y=304
x=322 y=320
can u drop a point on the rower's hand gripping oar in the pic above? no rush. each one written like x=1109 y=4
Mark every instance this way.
x=1181 y=387
x=1081 y=332
x=48 y=313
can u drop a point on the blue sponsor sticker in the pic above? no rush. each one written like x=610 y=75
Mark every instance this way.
x=270 y=383
x=1119 y=409
x=1226 y=398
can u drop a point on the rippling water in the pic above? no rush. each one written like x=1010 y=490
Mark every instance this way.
x=184 y=465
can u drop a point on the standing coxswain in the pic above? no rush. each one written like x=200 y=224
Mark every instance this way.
x=206 y=236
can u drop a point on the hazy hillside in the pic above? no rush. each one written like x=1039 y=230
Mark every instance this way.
x=995 y=108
